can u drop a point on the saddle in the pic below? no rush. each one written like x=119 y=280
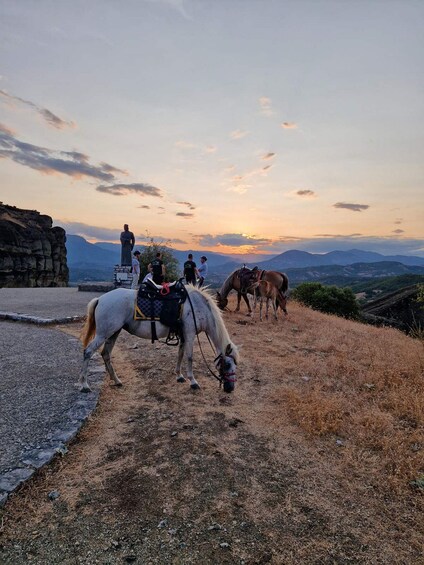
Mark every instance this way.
x=164 y=304
x=248 y=277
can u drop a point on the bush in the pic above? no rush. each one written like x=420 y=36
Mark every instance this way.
x=328 y=299
x=149 y=253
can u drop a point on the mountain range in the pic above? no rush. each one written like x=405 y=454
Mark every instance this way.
x=95 y=261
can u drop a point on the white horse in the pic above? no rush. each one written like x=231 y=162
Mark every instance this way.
x=114 y=311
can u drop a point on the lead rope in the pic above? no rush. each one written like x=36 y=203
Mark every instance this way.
x=218 y=378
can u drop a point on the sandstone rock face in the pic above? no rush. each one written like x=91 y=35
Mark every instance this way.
x=32 y=252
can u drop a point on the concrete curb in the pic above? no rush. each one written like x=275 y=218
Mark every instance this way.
x=73 y=418
x=47 y=450
x=37 y=320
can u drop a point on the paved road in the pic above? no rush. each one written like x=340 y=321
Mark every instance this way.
x=40 y=406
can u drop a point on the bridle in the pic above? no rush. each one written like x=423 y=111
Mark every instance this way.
x=225 y=376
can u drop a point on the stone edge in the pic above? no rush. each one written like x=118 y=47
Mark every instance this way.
x=76 y=416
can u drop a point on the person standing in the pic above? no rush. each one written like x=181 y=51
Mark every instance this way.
x=202 y=270
x=135 y=269
x=157 y=268
x=190 y=270
x=127 y=245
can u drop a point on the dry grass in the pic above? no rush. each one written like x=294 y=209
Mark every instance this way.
x=309 y=461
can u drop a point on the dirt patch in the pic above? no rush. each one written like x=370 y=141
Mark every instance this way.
x=285 y=470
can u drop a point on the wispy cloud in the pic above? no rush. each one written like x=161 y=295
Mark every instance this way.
x=238 y=134
x=231 y=240
x=210 y=149
x=268 y=156
x=141 y=188
x=144 y=207
x=49 y=161
x=184 y=215
x=49 y=117
x=306 y=193
x=398 y=231
x=188 y=204
x=265 y=105
x=289 y=125
x=181 y=144
x=351 y=207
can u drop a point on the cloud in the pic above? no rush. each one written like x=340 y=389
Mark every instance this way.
x=265 y=105
x=188 y=204
x=6 y=130
x=231 y=240
x=184 y=215
x=184 y=145
x=398 y=221
x=210 y=149
x=306 y=193
x=398 y=231
x=49 y=161
x=47 y=115
x=289 y=125
x=89 y=232
x=352 y=207
x=141 y=188
x=238 y=134
x=144 y=206
x=268 y=156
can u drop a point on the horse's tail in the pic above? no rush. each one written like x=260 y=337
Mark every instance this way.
x=284 y=284
x=89 y=329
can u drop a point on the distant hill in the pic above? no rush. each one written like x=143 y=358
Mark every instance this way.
x=299 y=259
x=88 y=261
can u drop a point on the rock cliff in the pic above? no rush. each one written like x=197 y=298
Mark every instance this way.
x=32 y=252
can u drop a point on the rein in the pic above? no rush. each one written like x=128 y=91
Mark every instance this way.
x=219 y=378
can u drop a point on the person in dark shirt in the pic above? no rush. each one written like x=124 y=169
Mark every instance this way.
x=190 y=270
x=157 y=268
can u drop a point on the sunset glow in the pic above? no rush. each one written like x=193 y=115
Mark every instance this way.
x=233 y=126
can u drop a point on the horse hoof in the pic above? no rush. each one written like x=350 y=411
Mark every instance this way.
x=181 y=379
x=85 y=389
x=195 y=387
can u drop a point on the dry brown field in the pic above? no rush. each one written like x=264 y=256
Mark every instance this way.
x=311 y=460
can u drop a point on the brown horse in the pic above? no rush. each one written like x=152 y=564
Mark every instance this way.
x=265 y=290
x=242 y=280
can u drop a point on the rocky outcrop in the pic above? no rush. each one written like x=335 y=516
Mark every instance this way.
x=398 y=309
x=32 y=252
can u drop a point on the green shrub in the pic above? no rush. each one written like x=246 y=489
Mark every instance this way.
x=328 y=299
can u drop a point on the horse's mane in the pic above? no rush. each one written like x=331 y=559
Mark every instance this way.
x=227 y=285
x=221 y=331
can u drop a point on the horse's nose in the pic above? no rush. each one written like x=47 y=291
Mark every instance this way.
x=228 y=387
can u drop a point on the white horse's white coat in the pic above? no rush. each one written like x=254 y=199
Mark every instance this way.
x=114 y=311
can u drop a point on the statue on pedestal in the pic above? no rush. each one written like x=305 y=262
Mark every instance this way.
x=127 y=243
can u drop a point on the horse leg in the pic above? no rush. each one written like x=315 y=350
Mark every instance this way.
x=189 y=352
x=247 y=302
x=267 y=308
x=180 y=376
x=260 y=308
x=106 y=352
x=88 y=353
x=274 y=306
x=238 y=301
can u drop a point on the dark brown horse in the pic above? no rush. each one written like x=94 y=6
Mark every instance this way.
x=242 y=280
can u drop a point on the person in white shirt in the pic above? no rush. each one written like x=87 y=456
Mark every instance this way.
x=135 y=269
x=202 y=270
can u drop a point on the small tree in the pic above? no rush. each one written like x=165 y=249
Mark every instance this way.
x=328 y=299
x=149 y=253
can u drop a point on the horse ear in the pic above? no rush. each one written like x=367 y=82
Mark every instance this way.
x=228 y=349
x=218 y=294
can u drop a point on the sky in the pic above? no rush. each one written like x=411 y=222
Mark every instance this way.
x=235 y=126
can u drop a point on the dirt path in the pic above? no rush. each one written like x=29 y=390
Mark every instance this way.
x=162 y=474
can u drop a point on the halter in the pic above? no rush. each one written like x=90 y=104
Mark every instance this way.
x=224 y=376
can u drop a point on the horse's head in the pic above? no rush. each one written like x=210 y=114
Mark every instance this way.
x=222 y=302
x=226 y=364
